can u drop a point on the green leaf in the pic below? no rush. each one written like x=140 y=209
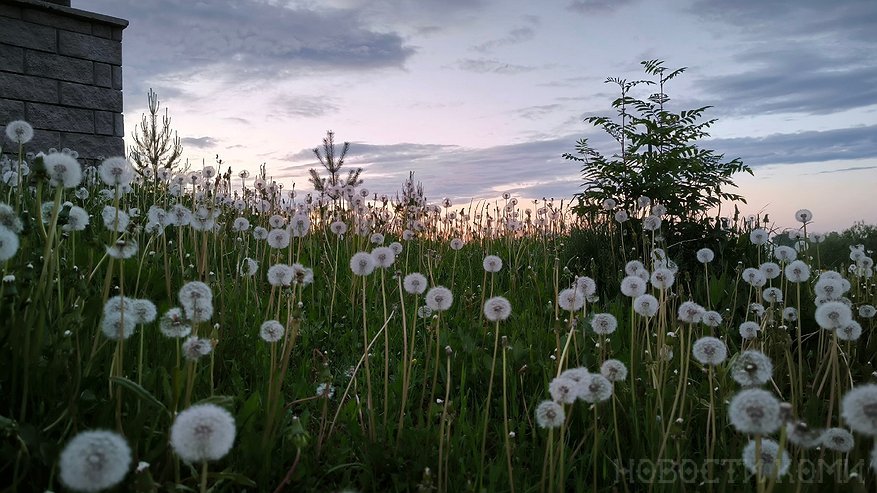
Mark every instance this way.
x=141 y=393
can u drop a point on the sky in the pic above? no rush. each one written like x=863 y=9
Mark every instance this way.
x=481 y=97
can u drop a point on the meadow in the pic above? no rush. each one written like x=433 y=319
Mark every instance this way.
x=214 y=331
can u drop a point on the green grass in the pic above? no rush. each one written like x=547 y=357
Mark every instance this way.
x=58 y=376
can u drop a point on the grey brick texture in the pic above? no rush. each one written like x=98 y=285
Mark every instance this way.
x=61 y=71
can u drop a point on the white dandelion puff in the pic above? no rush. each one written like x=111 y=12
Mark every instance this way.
x=497 y=309
x=271 y=331
x=550 y=414
x=362 y=263
x=755 y=411
x=604 y=323
x=94 y=460
x=614 y=370
x=204 y=432
x=492 y=263
x=859 y=409
x=769 y=452
x=752 y=368
x=440 y=299
x=709 y=351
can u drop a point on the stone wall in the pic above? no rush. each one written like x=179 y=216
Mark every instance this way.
x=61 y=71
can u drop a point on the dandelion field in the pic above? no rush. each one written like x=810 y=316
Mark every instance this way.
x=212 y=331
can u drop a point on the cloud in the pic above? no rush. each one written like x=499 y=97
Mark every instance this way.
x=490 y=66
x=597 y=6
x=795 y=80
x=516 y=35
x=850 y=20
x=795 y=57
x=459 y=172
x=254 y=37
x=199 y=142
x=303 y=106
x=847 y=170
x=538 y=111
x=801 y=147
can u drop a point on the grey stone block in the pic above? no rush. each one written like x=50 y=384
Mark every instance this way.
x=102 y=30
x=11 y=58
x=10 y=11
x=52 y=66
x=28 y=88
x=61 y=118
x=95 y=98
x=117 y=33
x=103 y=75
x=119 y=127
x=117 y=77
x=57 y=21
x=91 y=147
x=27 y=35
x=104 y=123
x=10 y=110
x=89 y=47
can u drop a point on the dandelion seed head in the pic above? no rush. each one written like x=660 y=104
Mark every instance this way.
x=492 y=263
x=203 y=432
x=280 y=275
x=116 y=171
x=770 y=270
x=362 y=263
x=758 y=236
x=838 y=440
x=384 y=257
x=646 y=305
x=9 y=243
x=117 y=326
x=633 y=286
x=757 y=309
x=440 y=298
x=63 y=169
x=595 y=388
x=690 y=312
x=749 y=330
x=173 y=324
x=803 y=216
x=850 y=332
x=19 y=131
x=790 y=314
x=575 y=374
x=755 y=411
x=859 y=409
x=94 y=460
x=621 y=216
x=143 y=311
x=271 y=331
x=662 y=278
x=563 y=390
x=752 y=368
x=705 y=255
x=798 y=433
x=833 y=315
x=785 y=253
x=797 y=271
x=754 y=277
x=772 y=295
x=195 y=347
x=550 y=414
x=709 y=351
x=604 y=323
x=497 y=309
x=867 y=311
x=614 y=370
x=570 y=299
x=769 y=452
